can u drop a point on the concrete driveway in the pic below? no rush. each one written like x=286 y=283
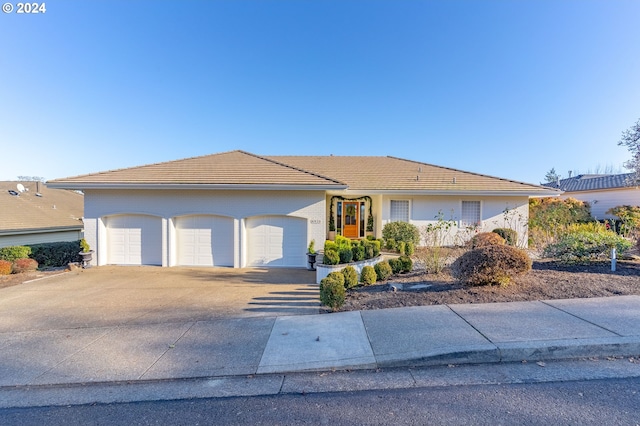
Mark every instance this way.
x=111 y=295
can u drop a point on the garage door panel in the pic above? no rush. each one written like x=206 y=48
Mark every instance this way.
x=134 y=240
x=205 y=241
x=276 y=241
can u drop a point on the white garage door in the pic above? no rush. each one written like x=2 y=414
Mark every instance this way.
x=276 y=241
x=134 y=240
x=205 y=241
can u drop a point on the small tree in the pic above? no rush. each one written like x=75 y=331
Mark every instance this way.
x=551 y=176
x=631 y=139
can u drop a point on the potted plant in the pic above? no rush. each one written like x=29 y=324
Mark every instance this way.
x=86 y=254
x=311 y=256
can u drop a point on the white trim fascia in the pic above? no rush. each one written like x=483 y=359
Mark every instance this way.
x=40 y=230
x=248 y=187
x=457 y=193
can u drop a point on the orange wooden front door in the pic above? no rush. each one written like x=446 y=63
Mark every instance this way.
x=350 y=219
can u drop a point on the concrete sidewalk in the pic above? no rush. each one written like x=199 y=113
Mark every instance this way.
x=416 y=336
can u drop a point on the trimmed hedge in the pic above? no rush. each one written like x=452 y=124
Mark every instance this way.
x=368 y=275
x=331 y=257
x=494 y=264
x=51 y=255
x=24 y=265
x=383 y=270
x=332 y=291
x=350 y=277
x=14 y=253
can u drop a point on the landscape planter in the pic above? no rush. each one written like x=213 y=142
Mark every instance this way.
x=323 y=270
x=86 y=257
x=311 y=261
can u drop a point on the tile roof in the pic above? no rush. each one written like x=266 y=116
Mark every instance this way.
x=52 y=209
x=358 y=173
x=397 y=174
x=228 y=168
x=592 y=182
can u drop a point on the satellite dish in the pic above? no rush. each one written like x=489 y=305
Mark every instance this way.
x=20 y=187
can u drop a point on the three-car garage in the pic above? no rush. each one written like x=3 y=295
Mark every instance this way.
x=206 y=240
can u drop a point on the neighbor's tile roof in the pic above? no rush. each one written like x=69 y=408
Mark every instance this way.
x=359 y=173
x=54 y=208
x=592 y=182
x=395 y=174
x=229 y=168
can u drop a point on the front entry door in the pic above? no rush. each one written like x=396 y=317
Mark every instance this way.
x=351 y=211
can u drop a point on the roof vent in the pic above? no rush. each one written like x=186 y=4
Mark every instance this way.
x=454 y=180
x=420 y=169
x=417 y=178
x=12 y=192
x=38 y=194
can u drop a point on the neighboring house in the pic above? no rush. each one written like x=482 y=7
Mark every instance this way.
x=32 y=213
x=602 y=192
x=239 y=209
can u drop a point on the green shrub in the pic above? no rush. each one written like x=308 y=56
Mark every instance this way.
x=350 y=277
x=331 y=257
x=368 y=275
x=494 y=264
x=584 y=246
x=369 y=249
x=383 y=270
x=401 y=231
x=406 y=264
x=5 y=267
x=24 y=265
x=396 y=265
x=84 y=246
x=390 y=244
x=342 y=242
x=13 y=253
x=484 y=239
x=346 y=255
x=55 y=254
x=376 y=247
x=330 y=245
x=332 y=291
x=549 y=216
x=509 y=235
x=410 y=249
x=629 y=218
x=402 y=246
x=358 y=253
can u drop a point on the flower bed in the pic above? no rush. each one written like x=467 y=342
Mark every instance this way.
x=323 y=270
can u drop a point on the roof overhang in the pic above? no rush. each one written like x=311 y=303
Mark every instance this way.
x=242 y=187
x=40 y=230
x=463 y=193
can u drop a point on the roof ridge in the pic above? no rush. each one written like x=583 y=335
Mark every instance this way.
x=295 y=168
x=467 y=172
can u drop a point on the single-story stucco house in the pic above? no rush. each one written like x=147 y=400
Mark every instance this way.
x=238 y=209
x=32 y=213
x=602 y=192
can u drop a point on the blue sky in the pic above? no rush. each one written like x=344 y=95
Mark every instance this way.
x=505 y=88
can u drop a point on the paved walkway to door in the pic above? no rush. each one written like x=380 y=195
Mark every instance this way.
x=111 y=295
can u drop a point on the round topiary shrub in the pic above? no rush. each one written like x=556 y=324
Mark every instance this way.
x=368 y=275
x=510 y=236
x=331 y=257
x=484 y=239
x=401 y=231
x=350 y=277
x=494 y=264
x=410 y=249
x=406 y=264
x=332 y=291
x=396 y=265
x=358 y=253
x=346 y=255
x=5 y=267
x=24 y=265
x=383 y=270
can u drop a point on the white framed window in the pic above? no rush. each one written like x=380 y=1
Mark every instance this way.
x=399 y=211
x=470 y=214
